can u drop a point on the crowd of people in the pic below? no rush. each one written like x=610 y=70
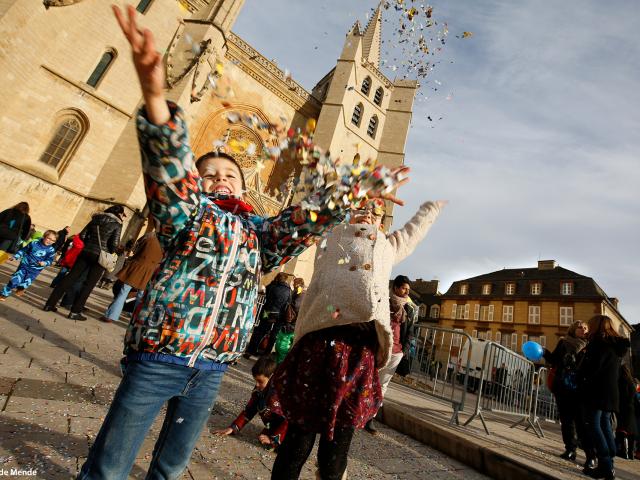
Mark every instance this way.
x=594 y=391
x=196 y=274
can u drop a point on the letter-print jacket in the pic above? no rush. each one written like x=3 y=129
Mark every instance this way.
x=199 y=308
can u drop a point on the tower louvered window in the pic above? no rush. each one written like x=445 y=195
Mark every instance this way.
x=377 y=98
x=356 y=118
x=366 y=86
x=373 y=127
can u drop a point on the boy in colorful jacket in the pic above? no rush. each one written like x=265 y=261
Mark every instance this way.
x=199 y=309
x=34 y=257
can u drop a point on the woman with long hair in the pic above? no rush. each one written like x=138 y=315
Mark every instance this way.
x=565 y=359
x=598 y=389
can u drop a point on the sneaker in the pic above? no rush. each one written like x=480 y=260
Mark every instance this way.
x=77 y=316
x=49 y=308
x=369 y=427
x=105 y=319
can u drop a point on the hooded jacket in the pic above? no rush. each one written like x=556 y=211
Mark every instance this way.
x=109 y=226
x=599 y=371
x=350 y=283
x=199 y=308
x=71 y=255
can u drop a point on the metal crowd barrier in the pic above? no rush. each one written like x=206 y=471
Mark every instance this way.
x=259 y=303
x=545 y=407
x=506 y=386
x=440 y=365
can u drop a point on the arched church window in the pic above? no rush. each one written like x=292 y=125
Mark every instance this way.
x=101 y=69
x=377 y=98
x=71 y=127
x=366 y=86
x=357 y=114
x=143 y=6
x=373 y=126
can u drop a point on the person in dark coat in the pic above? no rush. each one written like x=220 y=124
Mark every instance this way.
x=278 y=296
x=626 y=428
x=101 y=233
x=62 y=238
x=598 y=389
x=15 y=223
x=564 y=359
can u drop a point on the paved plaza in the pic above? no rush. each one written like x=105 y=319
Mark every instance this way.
x=57 y=377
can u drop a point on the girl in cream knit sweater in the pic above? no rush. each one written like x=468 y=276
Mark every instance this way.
x=328 y=383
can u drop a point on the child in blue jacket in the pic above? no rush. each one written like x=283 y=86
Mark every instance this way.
x=199 y=308
x=34 y=257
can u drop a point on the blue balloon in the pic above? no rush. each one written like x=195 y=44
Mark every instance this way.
x=532 y=350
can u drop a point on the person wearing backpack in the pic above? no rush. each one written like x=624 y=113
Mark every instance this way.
x=564 y=361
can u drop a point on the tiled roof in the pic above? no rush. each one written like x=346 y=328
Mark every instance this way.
x=551 y=280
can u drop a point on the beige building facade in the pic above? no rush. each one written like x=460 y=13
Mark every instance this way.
x=70 y=96
x=513 y=306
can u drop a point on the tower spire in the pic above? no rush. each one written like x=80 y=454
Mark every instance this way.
x=373 y=37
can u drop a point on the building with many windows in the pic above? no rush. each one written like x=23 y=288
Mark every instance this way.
x=512 y=306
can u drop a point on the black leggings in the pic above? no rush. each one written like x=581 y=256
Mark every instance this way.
x=297 y=446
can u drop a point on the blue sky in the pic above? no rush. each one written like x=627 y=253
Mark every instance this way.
x=538 y=149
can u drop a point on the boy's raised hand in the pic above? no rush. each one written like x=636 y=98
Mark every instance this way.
x=148 y=63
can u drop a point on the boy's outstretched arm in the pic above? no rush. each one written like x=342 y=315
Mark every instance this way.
x=171 y=182
x=405 y=240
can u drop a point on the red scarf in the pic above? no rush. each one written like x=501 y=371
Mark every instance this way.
x=233 y=205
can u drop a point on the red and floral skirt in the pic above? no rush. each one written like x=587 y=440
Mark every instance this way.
x=329 y=380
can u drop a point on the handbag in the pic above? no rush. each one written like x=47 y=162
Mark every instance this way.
x=105 y=259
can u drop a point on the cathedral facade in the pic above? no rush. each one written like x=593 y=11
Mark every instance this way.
x=70 y=98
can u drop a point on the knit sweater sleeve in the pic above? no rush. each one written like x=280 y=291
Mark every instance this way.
x=405 y=240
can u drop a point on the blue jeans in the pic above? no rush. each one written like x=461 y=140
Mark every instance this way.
x=145 y=388
x=115 y=309
x=599 y=426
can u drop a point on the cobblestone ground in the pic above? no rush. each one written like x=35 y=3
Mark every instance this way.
x=57 y=377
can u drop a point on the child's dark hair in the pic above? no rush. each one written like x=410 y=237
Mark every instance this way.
x=264 y=366
x=210 y=155
x=401 y=280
